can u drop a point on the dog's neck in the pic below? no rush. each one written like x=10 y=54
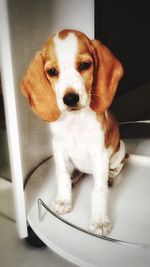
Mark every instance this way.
x=75 y=123
x=83 y=115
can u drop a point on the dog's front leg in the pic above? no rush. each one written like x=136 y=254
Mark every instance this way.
x=63 y=201
x=99 y=223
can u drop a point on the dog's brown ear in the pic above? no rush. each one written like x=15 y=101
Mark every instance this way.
x=108 y=73
x=39 y=92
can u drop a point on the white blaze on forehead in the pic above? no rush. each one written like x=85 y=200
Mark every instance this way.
x=66 y=50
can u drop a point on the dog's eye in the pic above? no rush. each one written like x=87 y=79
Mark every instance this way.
x=52 y=72
x=84 y=65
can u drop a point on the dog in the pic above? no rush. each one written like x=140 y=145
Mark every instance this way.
x=71 y=83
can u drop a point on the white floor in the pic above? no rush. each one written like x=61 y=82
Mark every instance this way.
x=17 y=253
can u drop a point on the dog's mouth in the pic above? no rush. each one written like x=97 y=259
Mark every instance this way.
x=70 y=109
x=78 y=107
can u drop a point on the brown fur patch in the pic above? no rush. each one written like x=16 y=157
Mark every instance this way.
x=108 y=73
x=49 y=51
x=63 y=34
x=39 y=92
x=111 y=129
x=112 y=135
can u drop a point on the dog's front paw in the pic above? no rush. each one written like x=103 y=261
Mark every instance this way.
x=61 y=206
x=100 y=226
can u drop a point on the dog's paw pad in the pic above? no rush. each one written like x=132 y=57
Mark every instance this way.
x=100 y=227
x=61 y=206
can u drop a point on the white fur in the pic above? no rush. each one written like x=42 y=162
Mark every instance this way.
x=78 y=142
x=66 y=51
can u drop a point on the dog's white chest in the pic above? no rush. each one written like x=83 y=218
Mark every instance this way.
x=78 y=151
x=79 y=135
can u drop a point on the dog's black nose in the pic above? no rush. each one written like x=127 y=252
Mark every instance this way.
x=71 y=99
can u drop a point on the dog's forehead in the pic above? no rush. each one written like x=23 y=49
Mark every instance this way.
x=67 y=42
x=66 y=49
x=82 y=41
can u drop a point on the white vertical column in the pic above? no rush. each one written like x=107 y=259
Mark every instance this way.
x=11 y=120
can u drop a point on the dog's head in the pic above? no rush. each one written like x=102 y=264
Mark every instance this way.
x=70 y=73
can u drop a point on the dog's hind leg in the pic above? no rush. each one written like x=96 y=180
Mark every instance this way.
x=116 y=164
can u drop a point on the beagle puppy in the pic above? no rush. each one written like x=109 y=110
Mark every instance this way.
x=71 y=83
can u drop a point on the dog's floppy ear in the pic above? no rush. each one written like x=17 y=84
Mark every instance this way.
x=108 y=72
x=39 y=92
